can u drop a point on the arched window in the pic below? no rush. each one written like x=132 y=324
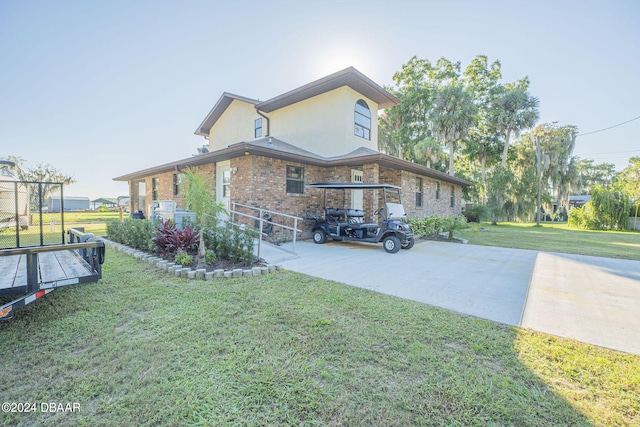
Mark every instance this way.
x=362 y=120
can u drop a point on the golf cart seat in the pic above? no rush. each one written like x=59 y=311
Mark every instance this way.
x=337 y=214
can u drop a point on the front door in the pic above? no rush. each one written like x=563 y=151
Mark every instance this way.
x=357 y=195
x=223 y=183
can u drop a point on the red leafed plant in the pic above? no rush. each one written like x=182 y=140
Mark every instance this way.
x=169 y=239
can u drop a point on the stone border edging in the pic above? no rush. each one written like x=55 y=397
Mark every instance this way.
x=187 y=272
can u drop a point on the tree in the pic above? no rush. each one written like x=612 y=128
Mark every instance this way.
x=453 y=116
x=590 y=175
x=628 y=182
x=199 y=199
x=428 y=150
x=389 y=133
x=514 y=111
x=481 y=80
x=500 y=184
x=558 y=142
x=608 y=209
x=42 y=172
x=416 y=85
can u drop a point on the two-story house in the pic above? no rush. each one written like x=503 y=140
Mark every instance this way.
x=262 y=153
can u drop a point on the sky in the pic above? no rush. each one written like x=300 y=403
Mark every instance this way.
x=101 y=88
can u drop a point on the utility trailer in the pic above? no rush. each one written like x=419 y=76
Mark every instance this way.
x=36 y=260
x=31 y=272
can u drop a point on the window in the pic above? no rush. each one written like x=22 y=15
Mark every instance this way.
x=295 y=179
x=177 y=184
x=453 y=196
x=362 y=120
x=154 y=188
x=437 y=190
x=226 y=183
x=257 y=126
x=418 y=192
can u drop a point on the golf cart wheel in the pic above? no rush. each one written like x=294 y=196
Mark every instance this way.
x=319 y=236
x=391 y=244
x=409 y=244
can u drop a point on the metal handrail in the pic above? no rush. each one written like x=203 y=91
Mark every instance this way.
x=264 y=220
x=261 y=220
x=267 y=210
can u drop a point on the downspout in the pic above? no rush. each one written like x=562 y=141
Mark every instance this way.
x=268 y=121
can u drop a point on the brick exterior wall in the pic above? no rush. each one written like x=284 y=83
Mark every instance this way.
x=261 y=182
x=431 y=204
x=165 y=185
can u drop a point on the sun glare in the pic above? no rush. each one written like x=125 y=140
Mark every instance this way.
x=337 y=59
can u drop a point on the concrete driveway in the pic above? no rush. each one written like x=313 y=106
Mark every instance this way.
x=590 y=299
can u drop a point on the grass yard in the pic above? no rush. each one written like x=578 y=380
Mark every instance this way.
x=93 y=222
x=81 y=216
x=556 y=237
x=147 y=349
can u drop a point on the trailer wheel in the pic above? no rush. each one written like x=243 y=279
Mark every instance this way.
x=391 y=244
x=319 y=236
x=409 y=244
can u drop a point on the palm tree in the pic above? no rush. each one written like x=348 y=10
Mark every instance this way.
x=428 y=150
x=453 y=116
x=199 y=199
x=514 y=111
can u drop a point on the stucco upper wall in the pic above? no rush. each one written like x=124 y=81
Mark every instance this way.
x=324 y=124
x=236 y=124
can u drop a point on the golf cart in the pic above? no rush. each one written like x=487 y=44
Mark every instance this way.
x=349 y=225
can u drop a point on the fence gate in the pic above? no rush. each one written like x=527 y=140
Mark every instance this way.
x=25 y=217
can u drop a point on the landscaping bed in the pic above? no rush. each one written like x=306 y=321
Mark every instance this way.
x=226 y=247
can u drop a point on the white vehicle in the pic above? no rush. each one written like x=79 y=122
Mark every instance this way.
x=14 y=200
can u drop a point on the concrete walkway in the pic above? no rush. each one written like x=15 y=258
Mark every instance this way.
x=590 y=299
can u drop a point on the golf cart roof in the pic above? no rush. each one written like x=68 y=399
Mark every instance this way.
x=352 y=186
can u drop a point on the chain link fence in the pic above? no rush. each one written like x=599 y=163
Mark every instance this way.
x=28 y=217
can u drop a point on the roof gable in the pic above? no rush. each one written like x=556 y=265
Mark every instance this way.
x=223 y=103
x=348 y=77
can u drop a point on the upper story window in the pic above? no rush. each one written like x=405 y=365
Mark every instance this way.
x=437 y=190
x=362 y=120
x=257 y=126
x=453 y=196
x=295 y=179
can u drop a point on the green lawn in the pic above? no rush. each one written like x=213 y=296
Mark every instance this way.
x=147 y=349
x=85 y=217
x=92 y=222
x=556 y=237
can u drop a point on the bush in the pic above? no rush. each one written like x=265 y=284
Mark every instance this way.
x=231 y=243
x=433 y=225
x=607 y=210
x=183 y=258
x=135 y=233
x=168 y=239
x=455 y=223
x=476 y=213
x=428 y=226
x=225 y=242
x=210 y=256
